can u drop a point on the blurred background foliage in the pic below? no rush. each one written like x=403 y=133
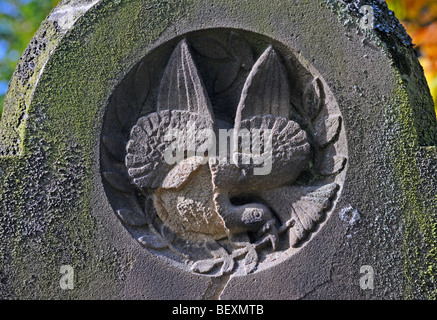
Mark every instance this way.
x=19 y=19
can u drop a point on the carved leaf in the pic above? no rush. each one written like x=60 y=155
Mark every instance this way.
x=304 y=214
x=330 y=164
x=132 y=218
x=149 y=211
x=118 y=181
x=326 y=130
x=266 y=90
x=125 y=112
x=312 y=98
x=181 y=86
x=210 y=48
x=226 y=77
x=216 y=250
x=296 y=234
x=153 y=242
x=142 y=84
x=115 y=146
x=242 y=51
x=204 y=266
x=168 y=234
x=250 y=260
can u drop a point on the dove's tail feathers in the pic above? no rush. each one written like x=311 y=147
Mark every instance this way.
x=276 y=152
x=266 y=90
x=309 y=210
x=301 y=208
x=182 y=87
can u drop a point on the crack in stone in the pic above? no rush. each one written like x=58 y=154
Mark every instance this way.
x=216 y=288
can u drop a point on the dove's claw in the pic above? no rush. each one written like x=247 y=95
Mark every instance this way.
x=266 y=228
x=268 y=232
x=274 y=241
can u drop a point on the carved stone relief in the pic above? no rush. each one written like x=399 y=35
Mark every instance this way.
x=209 y=212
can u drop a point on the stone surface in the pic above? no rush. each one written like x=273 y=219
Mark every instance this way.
x=212 y=203
x=353 y=179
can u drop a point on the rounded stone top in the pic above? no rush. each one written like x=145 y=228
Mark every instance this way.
x=326 y=109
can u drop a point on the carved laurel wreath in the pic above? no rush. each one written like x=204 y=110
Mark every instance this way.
x=304 y=203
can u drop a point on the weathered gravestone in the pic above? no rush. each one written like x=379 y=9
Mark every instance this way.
x=218 y=149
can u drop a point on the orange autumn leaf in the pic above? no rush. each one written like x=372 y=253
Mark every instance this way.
x=426 y=35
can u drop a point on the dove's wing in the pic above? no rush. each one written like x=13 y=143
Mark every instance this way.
x=157 y=145
x=266 y=90
x=269 y=149
x=182 y=87
x=301 y=207
x=279 y=152
x=184 y=110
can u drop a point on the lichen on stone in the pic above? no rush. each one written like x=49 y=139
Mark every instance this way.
x=385 y=20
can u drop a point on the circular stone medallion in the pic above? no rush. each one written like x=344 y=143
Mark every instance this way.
x=223 y=152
